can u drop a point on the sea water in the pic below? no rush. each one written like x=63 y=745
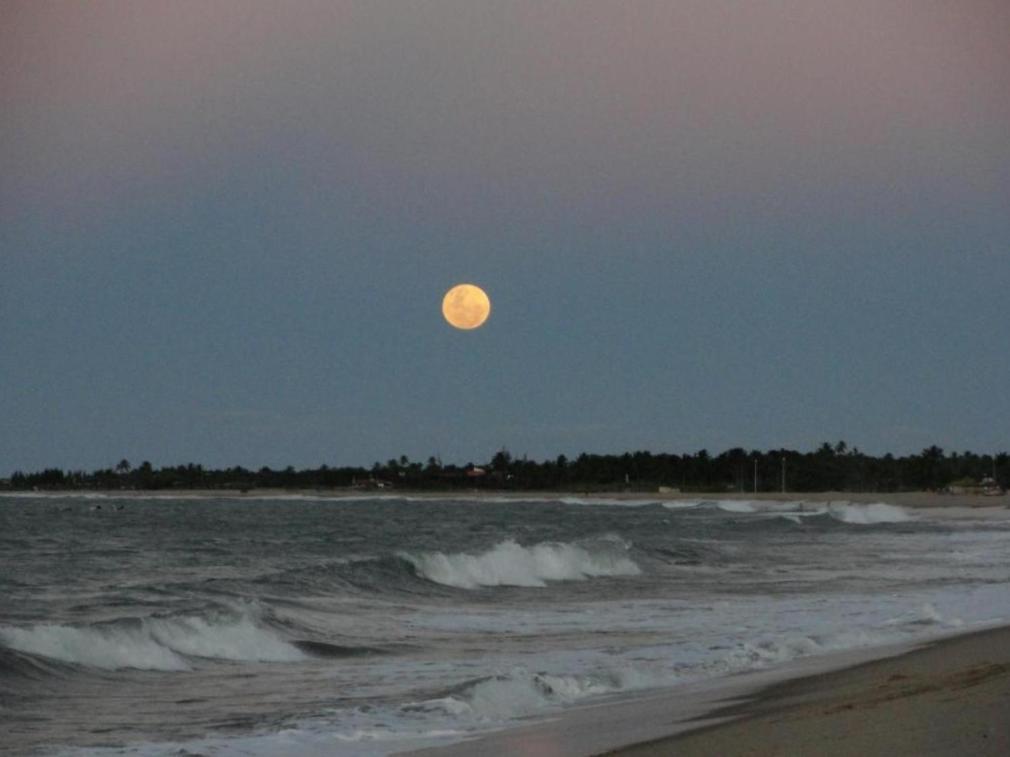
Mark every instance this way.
x=371 y=625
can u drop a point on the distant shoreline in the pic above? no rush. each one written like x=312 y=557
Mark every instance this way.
x=916 y=500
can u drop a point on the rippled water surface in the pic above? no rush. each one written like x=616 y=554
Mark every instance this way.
x=368 y=626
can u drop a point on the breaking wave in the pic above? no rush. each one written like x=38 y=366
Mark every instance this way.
x=864 y=515
x=510 y=564
x=767 y=651
x=799 y=511
x=608 y=501
x=736 y=506
x=521 y=692
x=152 y=643
x=850 y=513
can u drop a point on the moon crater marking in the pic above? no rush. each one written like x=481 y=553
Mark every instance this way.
x=466 y=306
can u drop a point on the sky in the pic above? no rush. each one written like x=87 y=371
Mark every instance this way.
x=226 y=228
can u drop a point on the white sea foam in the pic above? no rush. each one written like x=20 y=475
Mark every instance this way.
x=611 y=501
x=865 y=515
x=926 y=614
x=860 y=586
x=770 y=651
x=683 y=504
x=384 y=729
x=846 y=512
x=152 y=644
x=109 y=648
x=736 y=506
x=794 y=517
x=511 y=564
x=521 y=692
x=239 y=639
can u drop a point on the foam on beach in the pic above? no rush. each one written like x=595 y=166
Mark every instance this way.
x=446 y=619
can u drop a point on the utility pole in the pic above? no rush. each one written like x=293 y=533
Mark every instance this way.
x=755 y=475
x=783 y=474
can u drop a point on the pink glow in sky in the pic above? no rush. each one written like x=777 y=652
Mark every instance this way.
x=591 y=105
x=702 y=222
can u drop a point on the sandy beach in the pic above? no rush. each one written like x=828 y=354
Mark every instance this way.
x=529 y=379
x=894 y=661
x=950 y=698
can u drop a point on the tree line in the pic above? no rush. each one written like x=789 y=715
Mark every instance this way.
x=831 y=467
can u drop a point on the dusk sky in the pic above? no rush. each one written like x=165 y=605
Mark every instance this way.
x=226 y=228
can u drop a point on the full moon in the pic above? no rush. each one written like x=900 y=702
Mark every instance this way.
x=466 y=306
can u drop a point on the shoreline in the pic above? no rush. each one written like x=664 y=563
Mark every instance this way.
x=833 y=697
x=949 y=696
x=912 y=500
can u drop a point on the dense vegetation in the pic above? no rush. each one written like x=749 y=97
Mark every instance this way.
x=829 y=468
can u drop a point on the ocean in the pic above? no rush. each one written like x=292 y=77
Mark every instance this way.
x=301 y=625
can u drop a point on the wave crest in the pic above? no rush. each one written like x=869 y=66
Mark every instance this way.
x=853 y=513
x=736 y=506
x=152 y=643
x=865 y=515
x=511 y=564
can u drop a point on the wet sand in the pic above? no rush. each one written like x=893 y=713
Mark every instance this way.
x=950 y=698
